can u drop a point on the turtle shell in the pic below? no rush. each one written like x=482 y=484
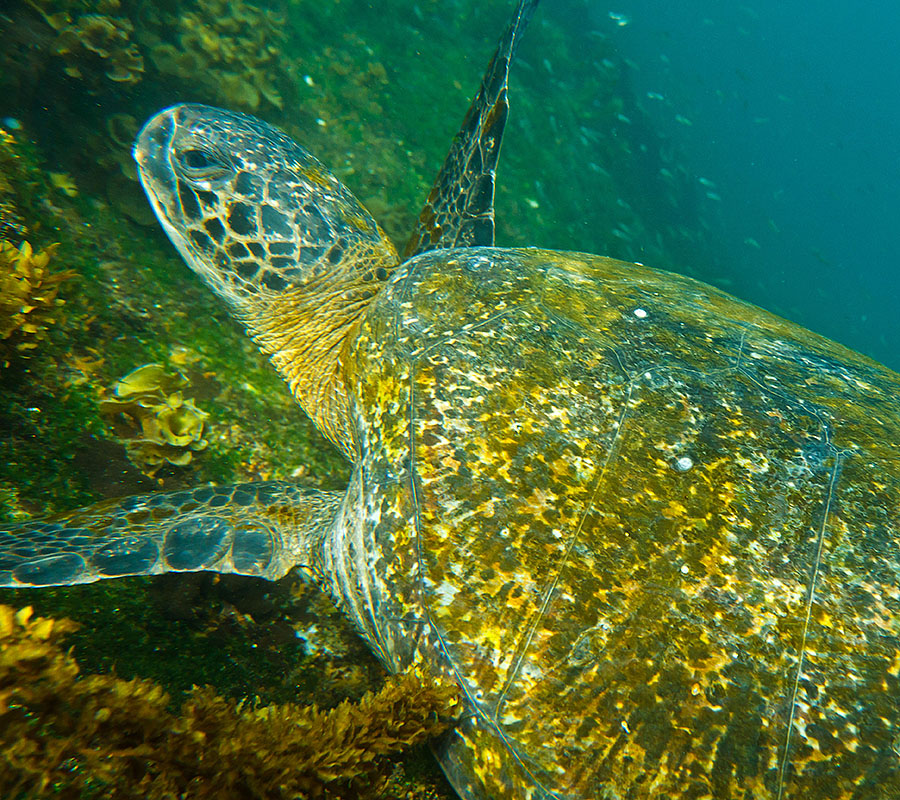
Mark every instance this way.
x=650 y=529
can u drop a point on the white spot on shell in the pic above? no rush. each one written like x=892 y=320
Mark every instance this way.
x=684 y=463
x=446 y=591
x=640 y=313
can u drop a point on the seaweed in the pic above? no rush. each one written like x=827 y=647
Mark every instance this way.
x=155 y=422
x=99 y=735
x=229 y=49
x=93 y=36
x=28 y=297
x=23 y=188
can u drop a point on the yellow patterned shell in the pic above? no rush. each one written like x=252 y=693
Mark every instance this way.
x=650 y=529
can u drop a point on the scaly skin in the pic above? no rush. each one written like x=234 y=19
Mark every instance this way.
x=275 y=235
x=263 y=529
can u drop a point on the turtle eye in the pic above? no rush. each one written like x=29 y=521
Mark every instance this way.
x=202 y=164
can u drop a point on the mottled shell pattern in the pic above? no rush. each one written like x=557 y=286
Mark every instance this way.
x=650 y=529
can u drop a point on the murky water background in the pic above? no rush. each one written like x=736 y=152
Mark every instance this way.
x=786 y=117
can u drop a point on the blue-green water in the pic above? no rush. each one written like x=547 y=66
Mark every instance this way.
x=787 y=115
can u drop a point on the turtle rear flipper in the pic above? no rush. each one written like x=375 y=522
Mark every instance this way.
x=260 y=529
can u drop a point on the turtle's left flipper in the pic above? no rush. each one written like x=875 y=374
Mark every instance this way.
x=459 y=211
x=260 y=529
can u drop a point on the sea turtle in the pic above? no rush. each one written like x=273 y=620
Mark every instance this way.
x=650 y=530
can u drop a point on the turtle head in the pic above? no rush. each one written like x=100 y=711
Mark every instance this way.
x=274 y=234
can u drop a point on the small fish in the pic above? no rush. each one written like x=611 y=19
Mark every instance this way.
x=11 y=123
x=622 y=118
x=707 y=183
x=714 y=196
x=620 y=19
x=655 y=96
x=820 y=256
x=683 y=119
x=752 y=242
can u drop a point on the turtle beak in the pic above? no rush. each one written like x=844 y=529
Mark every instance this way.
x=154 y=139
x=153 y=153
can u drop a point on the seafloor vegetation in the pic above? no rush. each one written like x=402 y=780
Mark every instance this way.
x=90 y=290
x=71 y=735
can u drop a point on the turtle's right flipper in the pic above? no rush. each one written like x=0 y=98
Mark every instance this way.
x=260 y=529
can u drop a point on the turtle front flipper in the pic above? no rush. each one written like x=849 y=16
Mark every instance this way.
x=459 y=211
x=262 y=529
